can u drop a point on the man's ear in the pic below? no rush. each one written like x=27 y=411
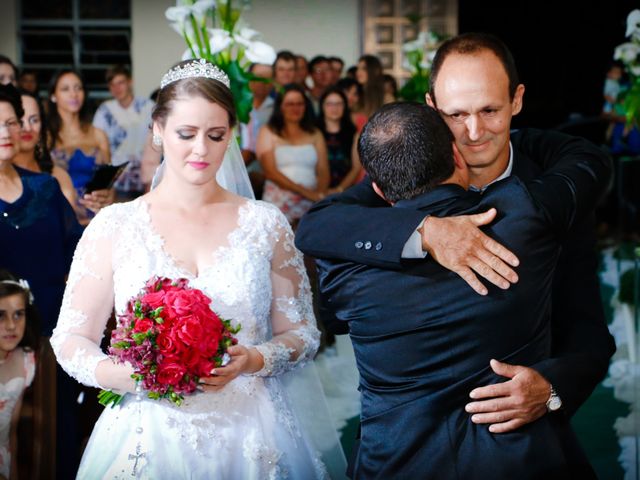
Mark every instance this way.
x=516 y=104
x=379 y=192
x=458 y=159
x=429 y=100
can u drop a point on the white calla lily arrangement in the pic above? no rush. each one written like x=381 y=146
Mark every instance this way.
x=215 y=31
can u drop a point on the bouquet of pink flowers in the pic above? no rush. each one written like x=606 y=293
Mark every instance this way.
x=171 y=337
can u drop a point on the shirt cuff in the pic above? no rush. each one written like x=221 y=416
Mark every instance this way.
x=413 y=248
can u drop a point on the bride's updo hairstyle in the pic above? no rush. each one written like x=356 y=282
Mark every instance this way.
x=184 y=81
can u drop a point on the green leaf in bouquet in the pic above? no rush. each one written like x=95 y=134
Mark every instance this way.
x=137 y=309
x=175 y=398
x=154 y=395
x=107 y=397
x=154 y=314
x=122 y=345
x=139 y=337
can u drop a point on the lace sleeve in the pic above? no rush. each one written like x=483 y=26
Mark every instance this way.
x=295 y=336
x=86 y=307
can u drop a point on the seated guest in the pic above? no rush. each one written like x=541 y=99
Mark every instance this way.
x=390 y=88
x=8 y=72
x=28 y=82
x=302 y=71
x=338 y=130
x=126 y=120
x=337 y=64
x=34 y=154
x=76 y=145
x=417 y=371
x=353 y=91
x=370 y=77
x=259 y=116
x=284 y=70
x=321 y=74
x=293 y=155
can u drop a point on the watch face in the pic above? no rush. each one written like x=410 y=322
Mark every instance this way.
x=554 y=403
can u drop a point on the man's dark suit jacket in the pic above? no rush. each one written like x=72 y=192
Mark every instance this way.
x=581 y=344
x=423 y=341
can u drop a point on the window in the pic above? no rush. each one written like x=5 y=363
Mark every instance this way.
x=87 y=36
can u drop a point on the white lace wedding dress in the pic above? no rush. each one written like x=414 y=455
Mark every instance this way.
x=247 y=430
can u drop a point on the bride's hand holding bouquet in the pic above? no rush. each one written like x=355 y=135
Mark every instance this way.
x=244 y=360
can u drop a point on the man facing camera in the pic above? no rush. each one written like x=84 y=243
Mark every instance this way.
x=423 y=340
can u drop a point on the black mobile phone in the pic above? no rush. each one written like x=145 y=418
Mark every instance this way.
x=104 y=177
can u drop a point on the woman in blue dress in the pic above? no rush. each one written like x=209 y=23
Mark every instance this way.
x=38 y=235
x=76 y=145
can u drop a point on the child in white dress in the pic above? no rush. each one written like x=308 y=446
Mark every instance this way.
x=17 y=363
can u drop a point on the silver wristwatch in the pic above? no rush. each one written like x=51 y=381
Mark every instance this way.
x=555 y=402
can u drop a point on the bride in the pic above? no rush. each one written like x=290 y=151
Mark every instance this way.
x=240 y=252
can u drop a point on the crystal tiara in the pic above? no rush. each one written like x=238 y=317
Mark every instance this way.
x=196 y=68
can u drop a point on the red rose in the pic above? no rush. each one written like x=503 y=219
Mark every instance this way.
x=168 y=345
x=154 y=299
x=191 y=358
x=170 y=373
x=143 y=325
x=204 y=367
x=189 y=331
x=179 y=302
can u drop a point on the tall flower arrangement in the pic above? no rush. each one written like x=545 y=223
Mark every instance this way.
x=629 y=54
x=214 y=30
x=418 y=55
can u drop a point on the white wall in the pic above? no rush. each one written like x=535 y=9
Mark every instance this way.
x=308 y=27
x=154 y=45
x=9 y=30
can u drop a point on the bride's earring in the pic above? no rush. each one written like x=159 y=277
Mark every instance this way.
x=157 y=140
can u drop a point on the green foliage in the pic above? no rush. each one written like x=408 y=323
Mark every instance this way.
x=415 y=89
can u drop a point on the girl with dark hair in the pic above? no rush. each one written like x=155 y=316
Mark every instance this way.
x=75 y=144
x=293 y=155
x=338 y=130
x=19 y=332
x=370 y=76
x=34 y=154
x=237 y=251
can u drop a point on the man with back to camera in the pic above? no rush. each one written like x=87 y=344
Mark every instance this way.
x=475 y=87
x=422 y=341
